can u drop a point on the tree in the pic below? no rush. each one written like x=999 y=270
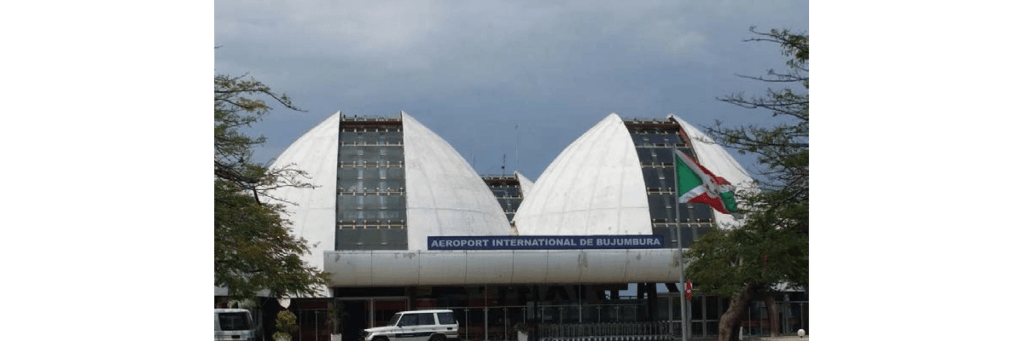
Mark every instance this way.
x=771 y=247
x=253 y=247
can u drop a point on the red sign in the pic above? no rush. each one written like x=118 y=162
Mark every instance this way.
x=689 y=289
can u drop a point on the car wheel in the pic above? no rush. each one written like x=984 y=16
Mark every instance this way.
x=437 y=337
x=380 y=338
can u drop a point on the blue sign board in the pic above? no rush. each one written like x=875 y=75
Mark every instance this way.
x=545 y=242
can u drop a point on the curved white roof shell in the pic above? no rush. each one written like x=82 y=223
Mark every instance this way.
x=444 y=195
x=312 y=214
x=594 y=187
x=525 y=185
x=717 y=160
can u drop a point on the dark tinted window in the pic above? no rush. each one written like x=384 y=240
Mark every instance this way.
x=446 y=318
x=427 y=319
x=410 y=320
x=233 y=321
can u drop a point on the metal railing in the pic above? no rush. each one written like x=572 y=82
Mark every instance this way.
x=562 y=322
x=793 y=317
x=612 y=322
x=614 y=331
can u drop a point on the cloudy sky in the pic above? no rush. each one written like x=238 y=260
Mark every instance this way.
x=520 y=79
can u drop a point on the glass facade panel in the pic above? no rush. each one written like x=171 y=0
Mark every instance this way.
x=712 y=306
x=664 y=179
x=370 y=152
x=348 y=239
x=347 y=138
x=394 y=154
x=668 y=233
x=650 y=176
x=687 y=235
x=712 y=328
x=506 y=191
x=348 y=173
x=697 y=308
x=663 y=155
x=513 y=205
x=394 y=172
x=346 y=201
x=371 y=202
x=657 y=204
x=371 y=185
x=673 y=139
x=697 y=328
x=348 y=152
x=702 y=213
x=656 y=142
x=392 y=215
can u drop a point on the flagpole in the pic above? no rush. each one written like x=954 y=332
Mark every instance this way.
x=679 y=244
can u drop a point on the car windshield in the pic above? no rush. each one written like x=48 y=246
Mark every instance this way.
x=394 y=320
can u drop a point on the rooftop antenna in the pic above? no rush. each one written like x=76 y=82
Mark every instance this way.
x=503 y=164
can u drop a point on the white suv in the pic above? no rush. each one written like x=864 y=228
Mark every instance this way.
x=416 y=325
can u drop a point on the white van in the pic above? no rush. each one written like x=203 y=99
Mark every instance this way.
x=234 y=324
x=417 y=325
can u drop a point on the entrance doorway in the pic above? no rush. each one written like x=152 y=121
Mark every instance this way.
x=361 y=313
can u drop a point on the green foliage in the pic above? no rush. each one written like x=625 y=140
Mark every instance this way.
x=286 y=325
x=253 y=249
x=772 y=246
x=782 y=150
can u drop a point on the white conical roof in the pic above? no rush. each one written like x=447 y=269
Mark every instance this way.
x=717 y=160
x=594 y=187
x=444 y=196
x=525 y=185
x=311 y=211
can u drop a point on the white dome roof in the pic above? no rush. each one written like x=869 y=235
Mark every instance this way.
x=594 y=187
x=525 y=185
x=315 y=152
x=444 y=196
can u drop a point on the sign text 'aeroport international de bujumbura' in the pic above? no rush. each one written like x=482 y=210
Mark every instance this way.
x=545 y=242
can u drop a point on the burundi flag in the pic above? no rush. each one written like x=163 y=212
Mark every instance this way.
x=696 y=184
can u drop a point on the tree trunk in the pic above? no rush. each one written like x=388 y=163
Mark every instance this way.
x=773 y=313
x=729 y=323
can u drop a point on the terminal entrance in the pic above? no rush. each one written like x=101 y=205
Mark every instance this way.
x=496 y=312
x=552 y=312
x=358 y=313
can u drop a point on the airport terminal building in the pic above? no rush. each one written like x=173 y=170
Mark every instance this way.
x=401 y=221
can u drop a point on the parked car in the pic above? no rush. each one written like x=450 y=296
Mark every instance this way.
x=416 y=325
x=234 y=325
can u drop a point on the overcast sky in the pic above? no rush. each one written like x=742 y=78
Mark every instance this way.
x=521 y=79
